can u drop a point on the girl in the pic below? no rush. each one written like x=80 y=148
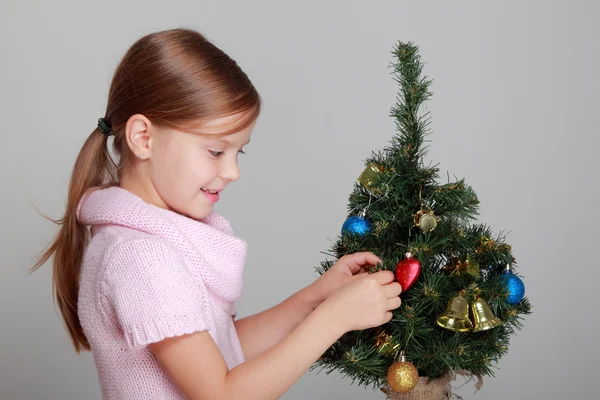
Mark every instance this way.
x=146 y=273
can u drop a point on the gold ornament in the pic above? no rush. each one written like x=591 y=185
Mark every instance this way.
x=483 y=317
x=402 y=375
x=425 y=220
x=466 y=264
x=370 y=175
x=456 y=317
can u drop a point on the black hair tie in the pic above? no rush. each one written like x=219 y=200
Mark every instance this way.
x=104 y=126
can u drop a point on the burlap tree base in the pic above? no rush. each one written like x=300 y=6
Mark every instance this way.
x=426 y=389
x=430 y=389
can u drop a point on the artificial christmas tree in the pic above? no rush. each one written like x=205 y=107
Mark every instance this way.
x=462 y=298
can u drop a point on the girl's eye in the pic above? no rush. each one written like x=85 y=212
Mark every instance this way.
x=220 y=153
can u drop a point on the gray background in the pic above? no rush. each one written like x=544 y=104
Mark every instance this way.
x=515 y=111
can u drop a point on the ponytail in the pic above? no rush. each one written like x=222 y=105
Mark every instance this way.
x=93 y=167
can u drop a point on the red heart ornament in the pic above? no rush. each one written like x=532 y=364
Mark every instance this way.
x=407 y=271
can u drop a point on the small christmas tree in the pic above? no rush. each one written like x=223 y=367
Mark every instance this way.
x=462 y=298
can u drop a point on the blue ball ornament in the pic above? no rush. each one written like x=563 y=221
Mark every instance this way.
x=515 y=288
x=356 y=225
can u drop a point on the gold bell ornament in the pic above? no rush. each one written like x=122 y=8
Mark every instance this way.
x=456 y=317
x=370 y=175
x=483 y=317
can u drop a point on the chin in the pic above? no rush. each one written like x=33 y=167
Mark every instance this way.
x=199 y=213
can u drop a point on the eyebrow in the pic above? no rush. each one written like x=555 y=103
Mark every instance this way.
x=220 y=140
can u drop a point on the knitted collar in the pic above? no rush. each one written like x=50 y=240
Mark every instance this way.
x=215 y=254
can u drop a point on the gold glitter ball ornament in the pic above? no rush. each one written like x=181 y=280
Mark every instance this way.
x=402 y=376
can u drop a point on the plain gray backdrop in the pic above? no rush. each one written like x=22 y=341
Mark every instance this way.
x=514 y=110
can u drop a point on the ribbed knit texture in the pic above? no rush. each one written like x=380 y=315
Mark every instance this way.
x=148 y=274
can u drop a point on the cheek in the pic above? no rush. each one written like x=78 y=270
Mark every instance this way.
x=176 y=174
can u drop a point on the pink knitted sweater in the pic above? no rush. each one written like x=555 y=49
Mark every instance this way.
x=148 y=274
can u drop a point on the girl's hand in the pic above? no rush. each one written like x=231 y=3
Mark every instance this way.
x=364 y=303
x=344 y=271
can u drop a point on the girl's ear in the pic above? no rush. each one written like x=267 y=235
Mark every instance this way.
x=138 y=133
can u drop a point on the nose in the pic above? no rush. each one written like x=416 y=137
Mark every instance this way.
x=231 y=171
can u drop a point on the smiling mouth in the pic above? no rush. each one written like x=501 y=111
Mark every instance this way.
x=210 y=191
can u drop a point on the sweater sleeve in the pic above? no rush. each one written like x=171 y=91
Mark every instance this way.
x=152 y=293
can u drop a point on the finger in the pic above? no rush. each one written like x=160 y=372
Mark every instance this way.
x=388 y=316
x=360 y=275
x=383 y=277
x=393 y=303
x=392 y=290
x=358 y=261
x=367 y=258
